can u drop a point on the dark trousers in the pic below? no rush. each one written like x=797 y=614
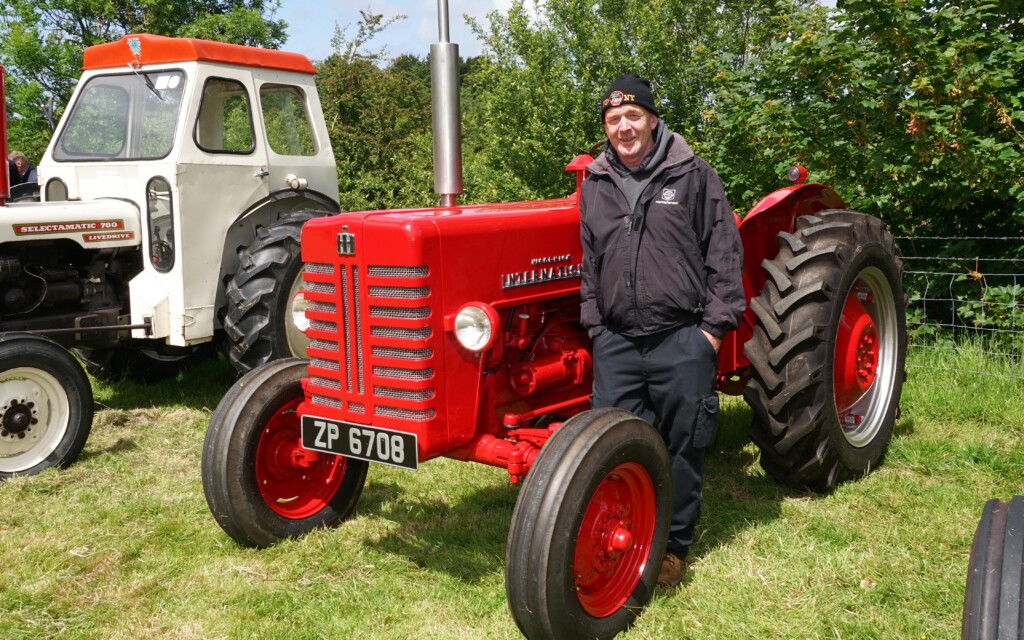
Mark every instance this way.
x=671 y=376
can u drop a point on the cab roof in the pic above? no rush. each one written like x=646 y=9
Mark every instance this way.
x=141 y=49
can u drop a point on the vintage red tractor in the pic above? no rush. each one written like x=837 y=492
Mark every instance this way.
x=454 y=331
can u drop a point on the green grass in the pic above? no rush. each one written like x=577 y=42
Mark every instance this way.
x=121 y=545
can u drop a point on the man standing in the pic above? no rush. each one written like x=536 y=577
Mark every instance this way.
x=662 y=285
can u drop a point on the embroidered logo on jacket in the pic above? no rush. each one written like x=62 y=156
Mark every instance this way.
x=668 y=196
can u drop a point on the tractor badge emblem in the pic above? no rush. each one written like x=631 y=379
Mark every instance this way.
x=346 y=242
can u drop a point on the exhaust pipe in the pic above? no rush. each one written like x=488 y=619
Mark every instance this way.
x=444 y=94
x=5 y=180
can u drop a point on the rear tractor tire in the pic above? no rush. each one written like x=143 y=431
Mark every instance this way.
x=589 y=529
x=265 y=317
x=45 y=405
x=828 y=351
x=260 y=485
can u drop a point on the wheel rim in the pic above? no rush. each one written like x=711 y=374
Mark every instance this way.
x=866 y=356
x=296 y=323
x=34 y=416
x=614 y=541
x=294 y=482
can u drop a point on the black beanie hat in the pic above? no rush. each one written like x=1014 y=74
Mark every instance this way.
x=629 y=88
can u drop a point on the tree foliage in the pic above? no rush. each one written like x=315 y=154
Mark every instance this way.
x=41 y=45
x=549 y=62
x=910 y=108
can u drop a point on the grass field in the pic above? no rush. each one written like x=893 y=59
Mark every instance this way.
x=121 y=545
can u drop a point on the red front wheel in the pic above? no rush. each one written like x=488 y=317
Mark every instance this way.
x=260 y=484
x=589 y=529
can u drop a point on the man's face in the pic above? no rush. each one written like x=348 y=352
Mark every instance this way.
x=20 y=164
x=630 y=129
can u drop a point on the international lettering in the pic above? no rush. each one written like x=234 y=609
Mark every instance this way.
x=540 y=276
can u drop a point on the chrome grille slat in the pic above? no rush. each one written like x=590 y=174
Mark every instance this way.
x=322 y=363
x=320 y=325
x=398 y=272
x=416 y=395
x=417 y=415
x=401 y=293
x=319 y=287
x=403 y=374
x=325 y=345
x=323 y=307
x=329 y=383
x=359 y=330
x=327 y=401
x=417 y=313
x=400 y=334
x=344 y=328
x=319 y=268
x=402 y=354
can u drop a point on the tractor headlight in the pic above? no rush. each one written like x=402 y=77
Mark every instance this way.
x=476 y=326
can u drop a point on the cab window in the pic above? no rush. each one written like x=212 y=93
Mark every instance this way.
x=289 y=132
x=224 y=124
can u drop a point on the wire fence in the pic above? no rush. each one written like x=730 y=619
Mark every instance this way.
x=964 y=295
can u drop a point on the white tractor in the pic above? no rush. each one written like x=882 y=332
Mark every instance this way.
x=171 y=200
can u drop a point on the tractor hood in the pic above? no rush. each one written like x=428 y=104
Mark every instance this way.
x=97 y=224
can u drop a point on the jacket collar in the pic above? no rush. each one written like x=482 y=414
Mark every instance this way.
x=677 y=152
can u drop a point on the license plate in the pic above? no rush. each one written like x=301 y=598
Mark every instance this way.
x=361 y=442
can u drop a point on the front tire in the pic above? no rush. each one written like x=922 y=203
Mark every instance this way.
x=45 y=405
x=828 y=351
x=264 y=319
x=589 y=529
x=260 y=485
x=994 y=600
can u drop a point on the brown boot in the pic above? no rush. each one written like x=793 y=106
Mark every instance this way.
x=672 y=570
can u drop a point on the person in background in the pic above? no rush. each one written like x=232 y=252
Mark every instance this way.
x=662 y=285
x=23 y=171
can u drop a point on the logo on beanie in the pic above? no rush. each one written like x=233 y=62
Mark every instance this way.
x=615 y=98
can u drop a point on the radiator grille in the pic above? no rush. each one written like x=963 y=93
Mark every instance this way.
x=340 y=297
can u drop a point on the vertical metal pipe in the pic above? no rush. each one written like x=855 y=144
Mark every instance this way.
x=5 y=184
x=444 y=92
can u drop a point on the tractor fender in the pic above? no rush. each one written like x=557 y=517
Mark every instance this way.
x=97 y=224
x=775 y=213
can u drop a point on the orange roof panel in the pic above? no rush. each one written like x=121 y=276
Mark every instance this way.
x=145 y=49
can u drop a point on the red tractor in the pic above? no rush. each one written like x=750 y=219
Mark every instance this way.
x=454 y=331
